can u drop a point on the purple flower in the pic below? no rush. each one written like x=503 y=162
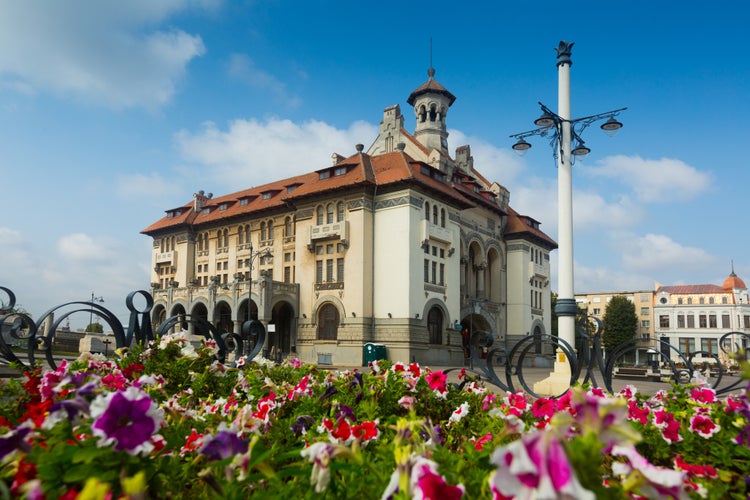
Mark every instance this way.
x=535 y=466
x=302 y=425
x=330 y=391
x=14 y=440
x=67 y=409
x=225 y=444
x=126 y=418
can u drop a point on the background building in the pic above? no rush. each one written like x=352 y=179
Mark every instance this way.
x=692 y=318
x=400 y=245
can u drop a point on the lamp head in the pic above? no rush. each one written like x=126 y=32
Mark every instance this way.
x=580 y=150
x=546 y=120
x=521 y=147
x=611 y=126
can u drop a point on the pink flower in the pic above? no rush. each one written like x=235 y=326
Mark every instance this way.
x=646 y=479
x=295 y=363
x=636 y=413
x=406 y=402
x=437 y=381
x=516 y=403
x=704 y=426
x=488 y=400
x=695 y=470
x=669 y=426
x=704 y=395
x=424 y=482
x=535 y=466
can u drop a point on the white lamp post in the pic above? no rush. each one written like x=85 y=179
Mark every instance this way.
x=562 y=130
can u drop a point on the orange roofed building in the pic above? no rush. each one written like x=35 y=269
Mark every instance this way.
x=402 y=246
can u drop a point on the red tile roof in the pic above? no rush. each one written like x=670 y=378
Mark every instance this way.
x=689 y=289
x=519 y=225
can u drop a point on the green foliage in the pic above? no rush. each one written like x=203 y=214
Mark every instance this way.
x=620 y=323
x=94 y=328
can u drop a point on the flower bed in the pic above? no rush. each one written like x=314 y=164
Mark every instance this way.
x=169 y=421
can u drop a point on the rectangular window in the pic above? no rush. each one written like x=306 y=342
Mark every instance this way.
x=712 y=321
x=597 y=311
x=664 y=321
x=680 y=321
x=687 y=345
x=319 y=250
x=325 y=174
x=725 y=321
x=340 y=270
x=645 y=323
x=288 y=257
x=442 y=253
x=645 y=297
x=266 y=196
x=434 y=251
x=319 y=271
x=287 y=274
x=329 y=270
x=690 y=321
x=442 y=274
x=702 y=323
x=710 y=345
x=339 y=171
x=329 y=248
x=645 y=311
x=434 y=273
x=747 y=321
x=426 y=271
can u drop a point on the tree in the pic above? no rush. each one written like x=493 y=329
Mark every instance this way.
x=95 y=328
x=620 y=323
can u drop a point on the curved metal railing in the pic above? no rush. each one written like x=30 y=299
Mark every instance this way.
x=24 y=341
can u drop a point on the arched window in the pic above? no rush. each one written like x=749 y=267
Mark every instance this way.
x=270 y=229
x=329 y=213
x=241 y=235
x=161 y=249
x=442 y=217
x=434 y=214
x=435 y=325
x=288 y=227
x=340 y=211
x=320 y=215
x=427 y=211
x=263 y=231
x=433 y=113
x=422 y=114
x=225 y=233
x=328 y=322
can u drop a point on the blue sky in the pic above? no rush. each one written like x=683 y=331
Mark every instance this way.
x=112 y=112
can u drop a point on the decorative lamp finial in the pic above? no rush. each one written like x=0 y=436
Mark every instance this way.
x=563 y=53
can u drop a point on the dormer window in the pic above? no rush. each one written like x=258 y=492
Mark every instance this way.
x=223 y=206
x=339 y=171
x=290 y=189
x=325 y=174
x=206 y=211
x=244 y=201
x=266 y=195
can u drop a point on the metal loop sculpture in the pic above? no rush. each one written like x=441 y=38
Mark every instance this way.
x=504 y=368
x=23 y=340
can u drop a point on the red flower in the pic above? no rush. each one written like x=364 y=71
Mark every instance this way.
x=695 y=470
x=133 y=370
x=26 y=472
x=37 y=412
x=543 y=408
x=192 y=443
x=415 y=370
x=479 y=443
x=704 y=426
x=703 y=395
x=366 y=431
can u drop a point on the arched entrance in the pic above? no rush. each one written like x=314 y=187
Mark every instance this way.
x=179 y=310
x=471 y=324
x=199 y=317
x=158 y=316
x=280 y=341
x=242 y=313
x=223 y=317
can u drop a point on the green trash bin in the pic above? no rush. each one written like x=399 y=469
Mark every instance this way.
x=372 y=352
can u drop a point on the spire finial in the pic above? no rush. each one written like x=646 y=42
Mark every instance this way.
x=431 y=70
x=732 y=261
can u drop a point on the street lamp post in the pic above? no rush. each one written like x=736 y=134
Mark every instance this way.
x=249 y=263
x=99 y=299
x=562 y=131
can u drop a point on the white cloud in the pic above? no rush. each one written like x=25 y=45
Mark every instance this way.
x=659 y=254
x=537 y=198
x=495 y=164
x=664 y=180
x=111 y=53
x=244 y=69
x=253 y=152
x=82 y=247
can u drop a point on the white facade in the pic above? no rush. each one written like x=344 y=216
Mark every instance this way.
x=401 y=246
